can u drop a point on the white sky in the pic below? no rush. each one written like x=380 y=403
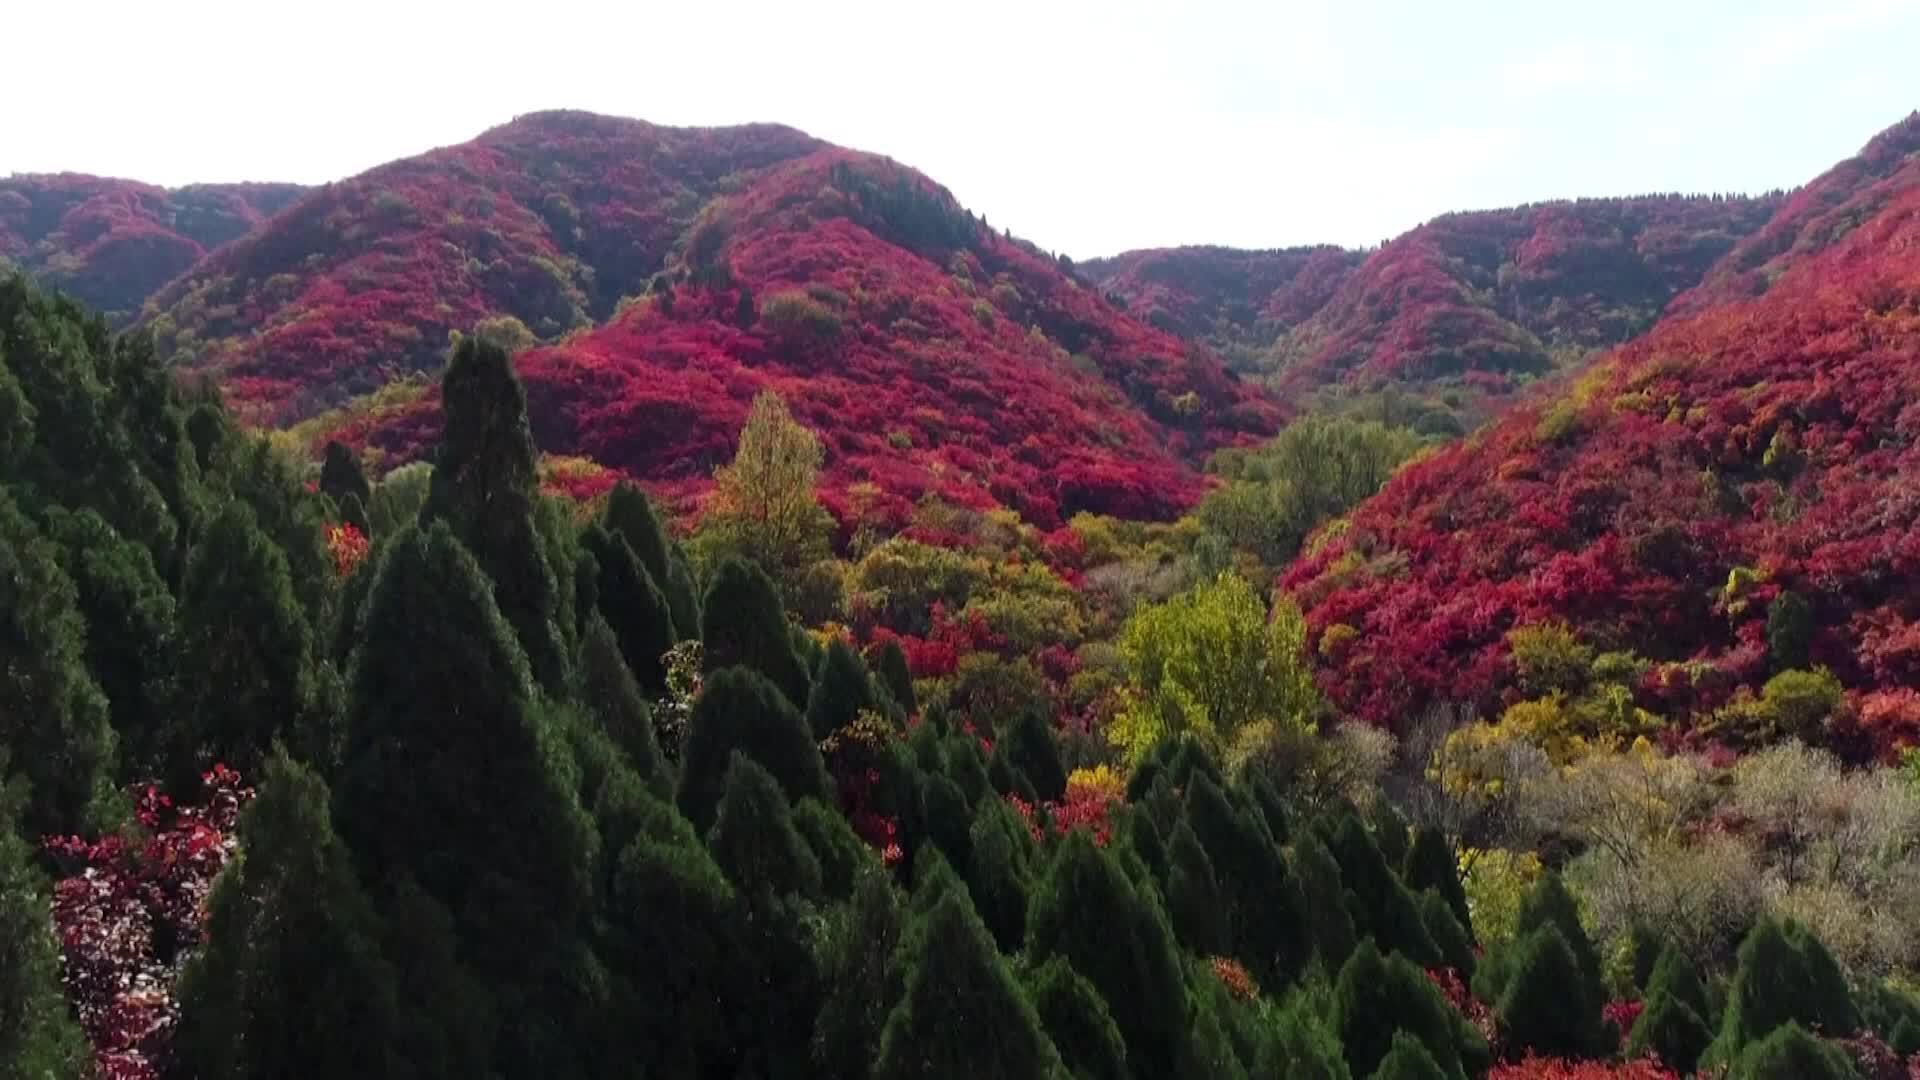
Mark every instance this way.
x=1088 y=126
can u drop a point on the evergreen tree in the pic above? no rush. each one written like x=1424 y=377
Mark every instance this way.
x=631 y=516
x=1384 y=909
x=292 y=980
x=1549 y=904
x=999 y=873
x=1032 y=749
x=1455 y=950
x=683 y=596
x=1078 y=1021
x=1377 y=996
x=1674 y=1022
x=744 y=625
x=1409 y=1059
x=842 y=689
x=1790 y=1053
x=1300 y=1047
x=608 y=689
x=38 y=1037
x=1431 y=865
x=739 y=710
x=860 y=970
x=1086 y=910
x=249 y=647
x=1265 y=924
x=633 y=606
x=1545 y=1007
x=1390 y=833
x=1193 y=896
x=890 y=666
x=1784 y=976
x=948 y=819
x=1209 y=1050
x=963 y=1014
x=54 y=721
x=843 y=856
x=455 y=779
x=129 y=616
x=1324 y=899
x=344 y=481
x=753 y=838
x=486 y=486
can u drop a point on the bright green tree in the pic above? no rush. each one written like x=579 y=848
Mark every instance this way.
x=1317 y=468
x=1209 y=662
x=764 y=506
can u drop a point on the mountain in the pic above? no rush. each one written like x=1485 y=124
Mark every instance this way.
x=1727 y=497
x=1464 y=311
x=113 y=243
x=933 y=355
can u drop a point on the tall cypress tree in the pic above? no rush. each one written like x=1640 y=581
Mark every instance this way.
x=344 y=481
x=1300 y=1047
x=1193 y=896
x=1545 y=1007
x=293 y=960
x=1431 y=865
x=1456 y=951
x=1384 y=909
x=1000 y=874
x=632 y=517
x=1784 y=976
x=963 y=1014
x=1377 y=996
x=842 y=689
x=743 y=624
x=608 y=689
x=249 y=649
x=1324 y=899
x=753 y=838
x=1088 y=911
x=739 y=710
x=1674 y=1022
x=38 y=1036
x=1031 y=749
x=1791 y=1053
x=863 y=976
x=1549 y=904
x=1078 y=1021
x=1265 y=923
x=54 y=721
x=633 y=607
x=486 y=486
x=890 y=666
x=1409 y=1059
x=455 y=779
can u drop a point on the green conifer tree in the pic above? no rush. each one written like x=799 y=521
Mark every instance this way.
x=842 y=689
x=843 y=856
x=743 y=624
x=1265 y=923
x=1384 y=909
x=890 y=667
x=1783 y=976
x=632 y=517
x=1086 y=910
x=1791 y=1053
x=1078 y=1021
x=1409 y=1059
x=633 y=607
x=1194 y=903
x=999 y=872
x=1545 y=1007
x=739 y=710
x=54 y=721
x=1431 y=865
x=1456 y=951
x=38 y=1036
x=1325 y=901
x=608 y=689
x=753 y=838
x=343 y=480
x=1376 y=996
x=962 y=1014
x=1300 y=1047
x=292 y=980
x=863 y=978
x=486 y=486
x=1032 y=749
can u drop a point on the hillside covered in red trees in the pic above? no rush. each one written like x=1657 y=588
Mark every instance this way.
x=1470 y=307
x=933 y=354
x=114 y=243
x=1727 y=498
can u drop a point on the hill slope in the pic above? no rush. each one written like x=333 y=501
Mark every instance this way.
x=933 y=355
x=113 y=243
x=1470 y=306
x=1746 y=448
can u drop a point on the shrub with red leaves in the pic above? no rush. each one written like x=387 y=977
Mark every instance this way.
x=1534 y=1068
x=129 y=907
x=347 y=546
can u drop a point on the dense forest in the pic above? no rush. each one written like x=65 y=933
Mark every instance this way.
x=607 y=600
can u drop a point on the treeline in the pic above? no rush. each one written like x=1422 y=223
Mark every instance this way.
x=533 y=800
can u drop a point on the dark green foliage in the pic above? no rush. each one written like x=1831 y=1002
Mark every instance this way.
x=1272 y=806
x=1032 y=749
x=631 y=516
x=949 y=821
x=1324 y=900
x=863 y=979
x=1377 y=996
x=1086 y=910
x=633 y=606
x=1889 y=1011
x=1647 y=946
x=739 y=710
x=683 y=596
x=1007 y=780
x=1431 y=864
x=1674 y=977
x=1078 y=1021
x=1545 y=1007
x=753 y=838
x=962 y=1014
x=966 y=765
x=1789 y=631
x=345 y=633
x=842 y=689
x=292 y=981
x=269 y=483
x=1784 y=976
x=608 y=689
x=1905 y=1038
x=129 y=616
x=743 y=624
x=1265 y=923
x=54 y=721
x=38 y=1037
x=1144 y=840
x=890 y=667
x=1299 y=1046
x=250 y=649
x=1549 y=904
x=1790 y=1053
x=843 y=856
x=1456 y=951
x=485 y=485
x=1194 y=903
x=1390 y=834
x=1209 y=1050
x=1408 y=1060
x=345 y=482
x=456 y=779
x=999 y=871
x=1671 y=1028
